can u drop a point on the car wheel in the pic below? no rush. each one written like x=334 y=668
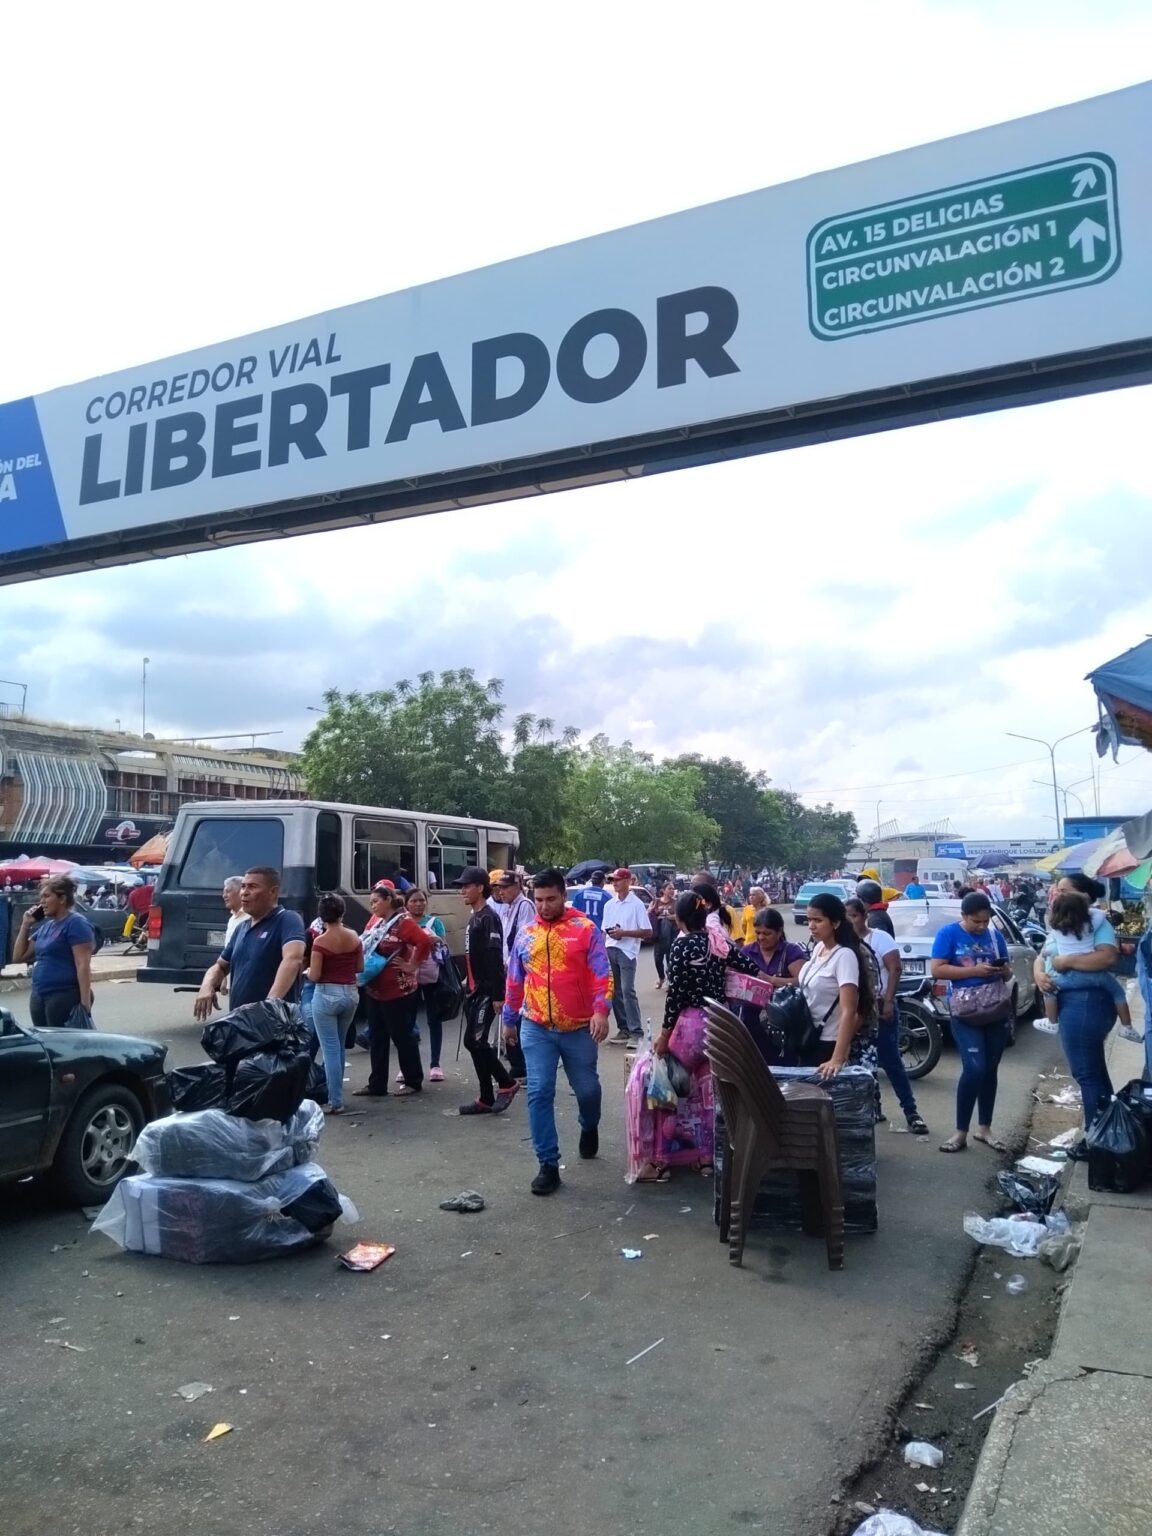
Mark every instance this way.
x=95 y=1151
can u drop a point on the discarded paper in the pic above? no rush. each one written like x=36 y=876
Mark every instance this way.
x=632 y=1253
x=77 y=1349
x=193 y=1390
x=366 y=1256
x=217 y=1431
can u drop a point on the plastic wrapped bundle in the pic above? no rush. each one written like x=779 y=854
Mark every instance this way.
x=224 y=1221
x=853 y=1095
x=211 y=1144
x=267 y=1025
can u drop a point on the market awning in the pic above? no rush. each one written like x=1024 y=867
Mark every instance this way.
x=1124 y=692
x=1122 y=850
x=1053 y=861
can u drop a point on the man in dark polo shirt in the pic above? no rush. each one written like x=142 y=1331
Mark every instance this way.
x=264 y=956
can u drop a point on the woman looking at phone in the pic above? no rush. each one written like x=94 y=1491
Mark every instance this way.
x=972 y=957
x=58 y=942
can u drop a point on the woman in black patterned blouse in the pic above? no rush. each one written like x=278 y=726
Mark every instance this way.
x=659 y=1140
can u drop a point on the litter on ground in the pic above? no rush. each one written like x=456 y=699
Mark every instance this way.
x=217 y=1432
x=631 y=1253
x=644 y=1352
x=466 y=1201
x=193 y=1390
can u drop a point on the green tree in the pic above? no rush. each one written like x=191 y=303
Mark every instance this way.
x=625 y=806
x=732 y=797
x=539 y=790
x=434 y=745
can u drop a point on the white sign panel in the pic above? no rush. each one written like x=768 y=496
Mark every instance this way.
x=1022 y=242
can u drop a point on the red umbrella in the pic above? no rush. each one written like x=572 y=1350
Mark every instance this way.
x=22 y=870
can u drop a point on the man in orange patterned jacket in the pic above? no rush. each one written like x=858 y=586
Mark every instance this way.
x=556 y=1002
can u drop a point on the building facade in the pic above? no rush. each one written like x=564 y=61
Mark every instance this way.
x=95 y=796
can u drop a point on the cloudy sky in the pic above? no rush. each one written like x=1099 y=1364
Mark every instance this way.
x=864 y=620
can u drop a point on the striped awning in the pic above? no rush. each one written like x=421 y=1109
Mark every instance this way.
x=65 y=799
x=234 y=768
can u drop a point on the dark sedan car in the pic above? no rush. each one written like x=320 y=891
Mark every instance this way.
x=72 y=1102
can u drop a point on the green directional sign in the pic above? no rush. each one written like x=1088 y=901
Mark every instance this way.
x=1016 y=236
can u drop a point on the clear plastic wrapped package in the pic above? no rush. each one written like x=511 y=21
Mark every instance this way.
x=853 y=1095
x=211 y=1144
x=224 y=1221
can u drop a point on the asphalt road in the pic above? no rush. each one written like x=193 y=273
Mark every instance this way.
x=478 y=1381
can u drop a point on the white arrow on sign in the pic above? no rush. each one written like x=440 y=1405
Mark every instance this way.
x=1083 y=181
x=1085 y=235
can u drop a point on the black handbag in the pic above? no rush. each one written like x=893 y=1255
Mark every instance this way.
x=790 y=1020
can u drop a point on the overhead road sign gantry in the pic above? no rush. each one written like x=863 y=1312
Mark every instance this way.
x=1000 y=268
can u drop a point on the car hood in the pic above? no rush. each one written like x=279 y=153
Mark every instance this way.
x=65 y=1046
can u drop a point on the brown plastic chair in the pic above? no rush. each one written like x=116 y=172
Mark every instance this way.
x=771 y=1125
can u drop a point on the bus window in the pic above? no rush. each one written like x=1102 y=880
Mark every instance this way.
x=228 y=845
x=450 y=852
x=381 y=850
x=329 y=865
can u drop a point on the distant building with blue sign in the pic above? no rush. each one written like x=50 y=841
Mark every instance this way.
x=1086 y=829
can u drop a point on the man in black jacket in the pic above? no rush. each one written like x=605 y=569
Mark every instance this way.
x=484 y=952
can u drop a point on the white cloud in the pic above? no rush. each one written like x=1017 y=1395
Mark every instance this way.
x=876 y=611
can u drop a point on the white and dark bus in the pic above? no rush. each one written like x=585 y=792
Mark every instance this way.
x=317 y=847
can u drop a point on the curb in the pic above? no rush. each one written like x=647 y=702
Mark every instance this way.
x=125 y=972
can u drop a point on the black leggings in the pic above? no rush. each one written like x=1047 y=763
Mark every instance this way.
x=394 y=1023
x=665 y=934
x=52 y=1010
x=479 y=1016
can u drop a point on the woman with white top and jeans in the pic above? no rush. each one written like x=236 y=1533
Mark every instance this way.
x=837 y=985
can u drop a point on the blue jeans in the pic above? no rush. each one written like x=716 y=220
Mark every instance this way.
x=980 y=1051
x=888 y=1056
x=307 y=991
x=333 y=1009
x=1086 y=1016
x=625 y=1003
x=544 y=1050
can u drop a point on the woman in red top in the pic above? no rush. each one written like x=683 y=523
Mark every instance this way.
x=393 y=998
x=337 y=957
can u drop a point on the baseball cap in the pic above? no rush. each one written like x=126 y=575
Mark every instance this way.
x=621 y=874
x=384 y=885
x=505 y=877
x=474 y=875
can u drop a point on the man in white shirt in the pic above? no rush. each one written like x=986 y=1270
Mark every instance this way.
x=626 y=926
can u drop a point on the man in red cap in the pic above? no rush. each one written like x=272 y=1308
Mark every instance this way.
x=626 y=926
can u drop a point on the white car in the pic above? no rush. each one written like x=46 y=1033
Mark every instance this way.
x=916 y=924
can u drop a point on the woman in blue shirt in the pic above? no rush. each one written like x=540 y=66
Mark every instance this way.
x=972 y=957
x=59 y=942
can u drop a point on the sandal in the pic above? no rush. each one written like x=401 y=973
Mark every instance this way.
x=658 y=1175
x=954 y=1146
x=406 y=1092
x=991 y=1141
x=335 y=1109
x=368 y=1093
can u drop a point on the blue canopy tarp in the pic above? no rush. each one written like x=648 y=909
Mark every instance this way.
x=1124 y=691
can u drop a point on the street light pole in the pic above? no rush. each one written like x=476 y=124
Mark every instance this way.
x=144 y=698
x=1050 y=748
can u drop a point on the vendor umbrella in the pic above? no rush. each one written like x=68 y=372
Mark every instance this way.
x=1073 y=859
x=587 y=867
x=23 y=870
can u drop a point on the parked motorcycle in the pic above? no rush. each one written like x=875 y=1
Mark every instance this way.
x=919 y=1035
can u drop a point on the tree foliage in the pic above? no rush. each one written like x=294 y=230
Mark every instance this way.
x=440 y=744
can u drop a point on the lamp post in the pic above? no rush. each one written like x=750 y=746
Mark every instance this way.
x=1065 y=793
x=1050 y=748
x=144 y=698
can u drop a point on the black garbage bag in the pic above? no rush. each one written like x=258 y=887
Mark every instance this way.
x=449 y=994
x=203 y=1087
x=254 y=1027
x=318 y=1082
x=269 y=1085
x=1117 y=1149
x=1031 y=1192
x=317 y=1208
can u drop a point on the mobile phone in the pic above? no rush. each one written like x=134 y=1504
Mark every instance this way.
x=36 y=913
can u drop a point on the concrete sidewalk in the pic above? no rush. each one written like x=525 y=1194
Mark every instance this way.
x=106 y=966
x=1064 y=1452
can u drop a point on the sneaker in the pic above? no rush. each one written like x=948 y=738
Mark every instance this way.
x=1046 y=1026
x=1126 y=1032
x=435 y=1075
x=881 y=1117
x=589 y=1143
x=621 y=1037
x=916 y=1125
x=547 y=1181
x=477 y=1107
